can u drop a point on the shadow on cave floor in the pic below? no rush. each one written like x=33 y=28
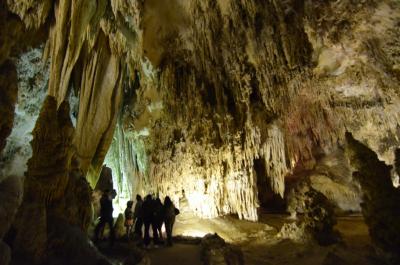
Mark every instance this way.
x=183 y=252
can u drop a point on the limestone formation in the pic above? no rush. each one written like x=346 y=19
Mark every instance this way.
x=210 y=87
x=216 y=252
x=319 y=218
x=8 y=98
x=11 y=190
x=249 y=81
x=222 y=103
x=316 y=221
x=57 y=197
x=380 y=198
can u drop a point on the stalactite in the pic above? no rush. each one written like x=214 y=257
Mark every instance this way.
x=100 y=99
x=261 y=98
x=220 y=85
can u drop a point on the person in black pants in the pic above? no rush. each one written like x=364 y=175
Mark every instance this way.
x=148 y=219
x=106 y=210
x=138 y=216
x=169 y=218
x=158 y=219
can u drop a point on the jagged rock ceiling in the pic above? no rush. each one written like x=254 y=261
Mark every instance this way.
x=201 y=90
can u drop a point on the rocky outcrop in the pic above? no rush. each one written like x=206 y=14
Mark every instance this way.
x=216 y=252
x=56 y=195
x=8 y=98
x=11 y=190
x=380 y=198
x=317 y=220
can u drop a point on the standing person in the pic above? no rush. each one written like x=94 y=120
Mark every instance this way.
x=158 y=218
x=148 y=219
x=169 y=218
x=138 y=216
x=106 y=210
x=128 y=218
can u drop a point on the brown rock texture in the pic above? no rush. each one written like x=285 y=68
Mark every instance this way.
x=8 y=98
x=234 y=82
x=216 y=252
x=380 y=198
x=55 y=190
x=206 y=88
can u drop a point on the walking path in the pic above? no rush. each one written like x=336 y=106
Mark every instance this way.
x=181 y=253
x=178 y=254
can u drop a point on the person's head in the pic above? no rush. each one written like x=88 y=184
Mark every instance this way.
x=138 y=197
x=148 y=197
x=113 y=194
x=167 y=200
x=129 y=204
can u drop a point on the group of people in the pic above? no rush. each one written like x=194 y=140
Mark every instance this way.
x=151 y=213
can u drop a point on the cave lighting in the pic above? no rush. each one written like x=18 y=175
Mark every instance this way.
x=194 y=233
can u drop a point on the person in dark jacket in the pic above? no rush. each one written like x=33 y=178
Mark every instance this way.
x=169 y=218
x=148 y=219
x=158 y=218
x=106 y=210
x=138 y=216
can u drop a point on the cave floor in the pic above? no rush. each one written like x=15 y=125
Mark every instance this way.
x=181 y=253
x=260 y=243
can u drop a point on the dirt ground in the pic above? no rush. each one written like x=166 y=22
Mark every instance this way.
x=261 y=245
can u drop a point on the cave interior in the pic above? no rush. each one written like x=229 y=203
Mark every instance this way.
x=273 y=126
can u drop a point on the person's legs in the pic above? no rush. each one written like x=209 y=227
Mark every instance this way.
x=172 y=228
x=168 y=230
x=138 y=227
x=130 y=231
x=110 y=222
x=146 y=233
x=159 y=228
x=155 y=232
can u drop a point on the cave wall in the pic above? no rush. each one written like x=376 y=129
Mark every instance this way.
x=205 y=88
x=239 y=81
x=380 y=197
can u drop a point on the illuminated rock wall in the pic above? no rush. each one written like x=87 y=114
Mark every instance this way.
x=207 y=88
x=280 y=82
